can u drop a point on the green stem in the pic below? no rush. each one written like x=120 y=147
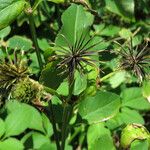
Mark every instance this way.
x=34 y=38
x=108 y=76
x=77 y=131
x=67 y=112
x=54 y=126
x=63 y=130
x=52 y=91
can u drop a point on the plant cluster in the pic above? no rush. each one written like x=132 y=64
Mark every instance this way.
x=74 y=74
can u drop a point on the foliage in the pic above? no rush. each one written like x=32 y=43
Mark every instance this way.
x=74 y=74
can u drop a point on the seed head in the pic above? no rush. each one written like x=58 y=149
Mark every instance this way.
x=12 y=71
x=76 y=56
x=135 y=59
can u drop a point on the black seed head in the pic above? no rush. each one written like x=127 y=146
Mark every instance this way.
x=76 y=56
x=135 y=59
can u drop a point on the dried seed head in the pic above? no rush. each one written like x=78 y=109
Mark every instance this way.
x=135 y=59
x=76 y=56
x=12 y=71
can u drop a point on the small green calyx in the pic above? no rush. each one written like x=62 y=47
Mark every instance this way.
x=133 y=132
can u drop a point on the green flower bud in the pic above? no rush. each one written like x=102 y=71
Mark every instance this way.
x=132 y=132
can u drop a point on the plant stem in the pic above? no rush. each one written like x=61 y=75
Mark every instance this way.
x=52 y=91
x=34 y=38
x=77 y=131
x=63 y=130
x=107 y=76
x=54 y=126
x=67 y=112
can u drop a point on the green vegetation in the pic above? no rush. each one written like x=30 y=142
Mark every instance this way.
x=74 y=74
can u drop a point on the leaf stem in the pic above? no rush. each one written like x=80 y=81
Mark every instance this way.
x=108 y=76
x=34 y=38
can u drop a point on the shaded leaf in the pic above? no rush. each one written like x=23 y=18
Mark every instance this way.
x=4 y=32
x=133 y=98
x=2 y=127
x=19 y=42
x=47 y=125
x=99 y=137
x=99 y=108
x=146 y=91
x=50 y=76
x=139 y=145
x=9 y=10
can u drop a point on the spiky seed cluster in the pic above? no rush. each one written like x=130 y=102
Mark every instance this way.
x=75 y=56
x=11 y=72
x=27 y=90
x=14 y=78
x=135 y=59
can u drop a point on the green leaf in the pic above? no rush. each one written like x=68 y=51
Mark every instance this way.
x=11 y=144
x=137 y=40
x=111 y=6
x=18 y=120
x=2 y=55
x=145 y=90
x=9 y=10
x=130 y=116
x=110 y=30
x=80 y=83
x=133 y=98
x=99 y=137
x=47 y=125
x=139 y=145
x=57 y=1
x=12 y=106
x=39 y=140
x=19 y=42
x=125 y=116
x=2 y=127
x=36 y=121
x=35 y=140
x=4 y=32
x=99 y=108
x=43 y=44
x=50 y=75
x=124 y=8
x=115 y=122
x=125 y=33
x=25 y=139
x=75 y=20
x=48 y=146
x=118 y=78
x=63 y=89
x=34 y=63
